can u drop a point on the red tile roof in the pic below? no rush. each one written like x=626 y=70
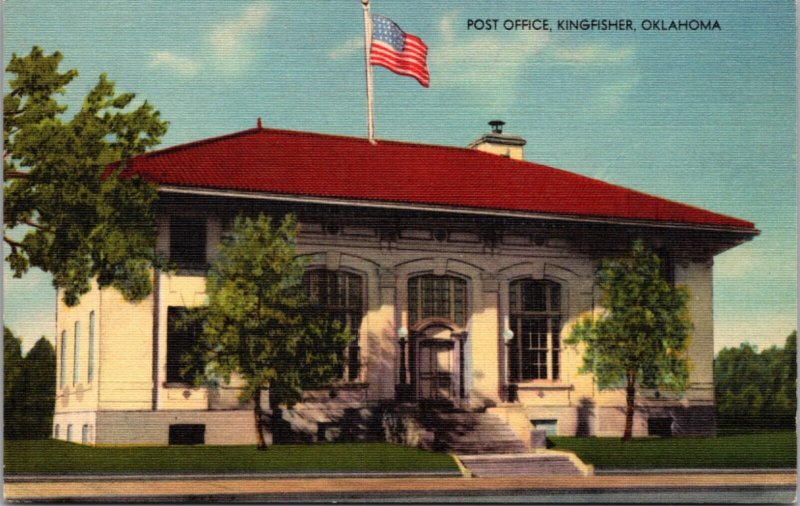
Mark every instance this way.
x=319 y=165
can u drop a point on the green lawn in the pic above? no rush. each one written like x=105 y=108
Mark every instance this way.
x=776 y=449
x=57 y=457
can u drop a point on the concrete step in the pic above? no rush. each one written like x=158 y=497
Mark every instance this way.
x=473 y=433
x=524 y=464
x=479 y=437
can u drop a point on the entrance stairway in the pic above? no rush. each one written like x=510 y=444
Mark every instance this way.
x=486 y=445
x=465 y=432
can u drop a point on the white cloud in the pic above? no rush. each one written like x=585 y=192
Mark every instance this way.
x=229 y=38
x=170 y=60
x=347 y=48
x=763 y=329
x=447 y=26
x=611 y=97
x=28 y=304
x=229 y=45
x=593 y=54
x=492 y=65
x=489 y=65
x=764 y=260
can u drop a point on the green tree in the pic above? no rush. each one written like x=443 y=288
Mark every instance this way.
x=756 y=390
x=259 y=324
x=12 y=365
x=74 y=223
x=641 y=337
x=31 y=399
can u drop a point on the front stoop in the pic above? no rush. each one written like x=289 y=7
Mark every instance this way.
x=538 y=463
x=471 y=433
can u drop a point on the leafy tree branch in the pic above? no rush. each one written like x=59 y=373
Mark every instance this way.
x=79 y=223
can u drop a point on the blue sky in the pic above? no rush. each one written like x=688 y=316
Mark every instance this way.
x=706 y=118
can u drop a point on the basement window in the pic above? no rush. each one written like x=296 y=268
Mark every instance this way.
x=187 y=434
x=549 y=426
x=661 y=427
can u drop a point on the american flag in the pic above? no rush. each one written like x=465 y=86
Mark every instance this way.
x=400 y=52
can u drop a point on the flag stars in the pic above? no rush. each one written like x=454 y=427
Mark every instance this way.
x=387 y=31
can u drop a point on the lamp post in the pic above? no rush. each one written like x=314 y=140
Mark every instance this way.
x=403 y=389
x=511 y=387
x=402 y=333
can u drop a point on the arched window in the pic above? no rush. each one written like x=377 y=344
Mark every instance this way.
x=85 y=434
x=75 y=361
x=535 y=319
x=340 y=295
x=63 y=375
x=56 y=432
x=69 y=432
x=439 y=296
x=90 y=366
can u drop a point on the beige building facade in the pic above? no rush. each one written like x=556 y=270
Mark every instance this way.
x=455 y=305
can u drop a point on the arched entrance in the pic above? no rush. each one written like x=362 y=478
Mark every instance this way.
x=437 y=360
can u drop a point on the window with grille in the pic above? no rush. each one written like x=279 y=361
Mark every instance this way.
x=340 y=295
x=76 y=354
x=437 y=296
x=63 y=364
x=181 y=337
x=187 y=242
x=90 y=366
x=535 y=319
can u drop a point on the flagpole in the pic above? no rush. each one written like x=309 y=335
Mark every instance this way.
x=367 y=45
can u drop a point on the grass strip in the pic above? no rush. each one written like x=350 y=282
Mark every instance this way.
x=767 y=450
x=58 y=457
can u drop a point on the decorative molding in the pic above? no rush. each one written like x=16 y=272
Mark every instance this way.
x=416 y=234
x=490 y=282
x=559 y=272
x=535 y=269
x=333 y=260
x=440 y=266
x=387 y=278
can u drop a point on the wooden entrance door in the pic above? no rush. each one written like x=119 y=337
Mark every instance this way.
x=436 y=373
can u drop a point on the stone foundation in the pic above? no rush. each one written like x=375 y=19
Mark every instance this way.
x=152 y=427
x=349 y=417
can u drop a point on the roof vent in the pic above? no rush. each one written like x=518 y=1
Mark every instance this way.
x=498 y=143
x=497 y=126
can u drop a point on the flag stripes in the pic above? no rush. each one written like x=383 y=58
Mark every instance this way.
x=400 y=52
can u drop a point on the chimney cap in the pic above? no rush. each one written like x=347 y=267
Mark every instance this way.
x=497 y=126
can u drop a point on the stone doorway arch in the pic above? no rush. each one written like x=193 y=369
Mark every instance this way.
x=436 y=360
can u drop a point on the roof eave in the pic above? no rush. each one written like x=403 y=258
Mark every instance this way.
x=745 y=233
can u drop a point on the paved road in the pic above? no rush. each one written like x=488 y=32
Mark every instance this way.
x=756 y=487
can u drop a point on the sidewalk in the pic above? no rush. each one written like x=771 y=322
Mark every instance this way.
x=149 y=489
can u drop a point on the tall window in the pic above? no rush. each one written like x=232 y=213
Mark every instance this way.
x=75 y=360
x=90 y=366
x=340 y=295
x=187 y=242
x=180 y=340
x=440 y=296
x=535 y=314
x=63 y=376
